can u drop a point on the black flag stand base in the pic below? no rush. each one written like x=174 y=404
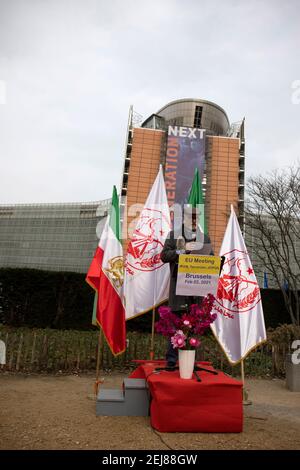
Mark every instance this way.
x=196 y=369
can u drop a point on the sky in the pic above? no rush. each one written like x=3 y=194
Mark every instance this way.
x=70 y=69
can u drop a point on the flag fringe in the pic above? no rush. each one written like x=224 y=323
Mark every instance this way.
x=91 y=285
x=114 y=354
x=148 y=310
x=242 y=358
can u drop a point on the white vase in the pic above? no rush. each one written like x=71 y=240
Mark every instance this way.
x=186 y=361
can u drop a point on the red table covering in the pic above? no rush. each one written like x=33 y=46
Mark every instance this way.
x=179 y=405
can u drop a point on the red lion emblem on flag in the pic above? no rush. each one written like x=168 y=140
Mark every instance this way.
x=238 y=290
x=145 y=247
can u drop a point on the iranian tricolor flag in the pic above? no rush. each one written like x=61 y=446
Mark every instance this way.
x=106 y=276
x=239 y=326
x=147 y=277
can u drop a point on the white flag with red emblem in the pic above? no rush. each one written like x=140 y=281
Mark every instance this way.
x=146 y=276
x=239 y=326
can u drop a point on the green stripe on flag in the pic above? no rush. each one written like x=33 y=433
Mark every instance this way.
x=114 y=220
x=94 y=318
x=196 y=199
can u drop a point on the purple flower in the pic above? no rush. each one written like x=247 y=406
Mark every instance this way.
x=164 y=310
x=168 y=322
x=183 y=328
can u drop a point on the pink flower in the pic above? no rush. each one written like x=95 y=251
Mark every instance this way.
x=194 y=342
x=187 y=323
x=178 y=340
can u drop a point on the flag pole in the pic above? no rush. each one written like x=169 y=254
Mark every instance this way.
x=243 y=381
x=245 y=393
x=152 y=335
x=243 y=372
x=98 y=365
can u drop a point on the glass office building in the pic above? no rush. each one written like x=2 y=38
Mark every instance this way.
x=196 y=113
x=55 y=237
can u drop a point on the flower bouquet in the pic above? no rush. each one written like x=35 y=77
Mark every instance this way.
x=185 y=330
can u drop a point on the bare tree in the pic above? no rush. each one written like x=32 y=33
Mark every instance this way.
x=273 y=221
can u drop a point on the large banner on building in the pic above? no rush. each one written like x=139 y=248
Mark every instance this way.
x=185 y=152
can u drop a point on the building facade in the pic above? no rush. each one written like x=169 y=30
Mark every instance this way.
x=223 y=176
x=53 y=237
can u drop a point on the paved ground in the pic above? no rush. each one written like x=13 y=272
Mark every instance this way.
x=58 y=412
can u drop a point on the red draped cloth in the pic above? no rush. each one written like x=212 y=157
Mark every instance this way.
x=180 y=405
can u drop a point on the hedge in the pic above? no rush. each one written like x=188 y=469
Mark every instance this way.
x=63 y=300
